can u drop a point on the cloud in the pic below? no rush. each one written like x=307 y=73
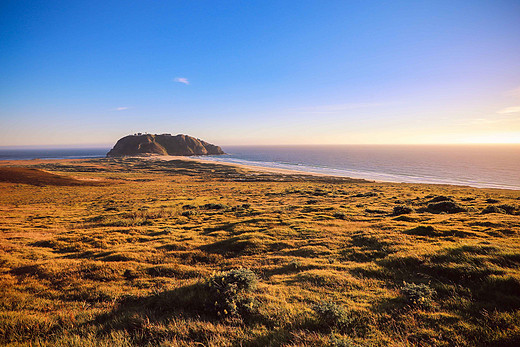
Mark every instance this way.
x=181 y=80
x=487 y=120
x=509 y=110
x=122 y=108
x=505 y=115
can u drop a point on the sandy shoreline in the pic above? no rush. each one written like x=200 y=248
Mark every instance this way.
x=263 y=169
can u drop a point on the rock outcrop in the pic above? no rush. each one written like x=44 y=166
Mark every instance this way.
x=165 y=144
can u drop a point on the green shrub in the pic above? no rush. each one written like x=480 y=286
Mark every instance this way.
x=230 y=292
x=331 y=315
x=212 y=206
x=418 y=294
x=341 y=341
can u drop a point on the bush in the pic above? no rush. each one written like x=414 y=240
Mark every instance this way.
x=331 y=315
x=339 y=215
x=189 y=213
x=402 y=209
x=418 y=294
x=509 y=209
x=212 y=206
x=230 y=292
x=440 y=198
x=492 y=209
x=341 y=341
x=445 y=207
x=294 y=265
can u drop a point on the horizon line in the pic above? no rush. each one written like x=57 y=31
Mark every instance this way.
x=100 y=146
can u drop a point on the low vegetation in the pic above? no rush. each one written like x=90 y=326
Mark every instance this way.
x=121 y=252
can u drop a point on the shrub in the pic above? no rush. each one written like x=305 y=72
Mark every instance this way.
x=294 y=265
x=230 y=292
x=212 y=206
x=509 y=209
x=492 y=201
x=242 y=207
x=417 y=294
x=130 y=274
x=339 y=215
x=189 y=213
x=341 y=341
x=440 y=198
x=423 y=230
x=402 y=209
x=492 y=209
x=331 y=315
x=445 y=207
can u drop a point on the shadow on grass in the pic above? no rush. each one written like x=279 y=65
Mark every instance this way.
x=470 y=274
x=245 y=244
x=364 y=248
x=145 y=318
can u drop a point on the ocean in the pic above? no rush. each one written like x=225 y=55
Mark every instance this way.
x=485 y=166
x=51 y=153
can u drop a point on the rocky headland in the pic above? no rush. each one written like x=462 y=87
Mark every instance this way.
x=164 y=144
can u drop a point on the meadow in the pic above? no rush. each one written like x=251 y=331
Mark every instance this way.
x=122 y=252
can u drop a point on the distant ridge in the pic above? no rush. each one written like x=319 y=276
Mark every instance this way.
x=164 y=144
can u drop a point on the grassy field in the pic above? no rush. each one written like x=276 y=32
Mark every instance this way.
x=137 y=252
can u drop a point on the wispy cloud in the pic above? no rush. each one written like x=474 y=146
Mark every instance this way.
x=181 y=80
x=123 y=108
x=491 y=120
x=508 y=114
x=509 y=110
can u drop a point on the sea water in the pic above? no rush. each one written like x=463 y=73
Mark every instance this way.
x=486 y=166
x=51 y=153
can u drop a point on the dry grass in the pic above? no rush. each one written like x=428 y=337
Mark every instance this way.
x=128 y=263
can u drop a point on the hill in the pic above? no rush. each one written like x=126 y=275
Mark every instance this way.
x=39 y=178
x=164 y=144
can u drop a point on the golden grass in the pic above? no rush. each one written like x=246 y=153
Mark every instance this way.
x=127 y=263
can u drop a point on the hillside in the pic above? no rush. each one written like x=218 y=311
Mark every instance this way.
x=189 y=253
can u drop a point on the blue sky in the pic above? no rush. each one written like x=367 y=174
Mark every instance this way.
x=260 y=72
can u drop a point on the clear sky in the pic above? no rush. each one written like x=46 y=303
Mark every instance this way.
x=260 y=72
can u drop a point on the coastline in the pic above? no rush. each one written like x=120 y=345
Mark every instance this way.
x=264 y=169
x=251 y=169
x=284 y=171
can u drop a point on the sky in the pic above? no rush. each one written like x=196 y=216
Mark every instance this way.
x=84 y=73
